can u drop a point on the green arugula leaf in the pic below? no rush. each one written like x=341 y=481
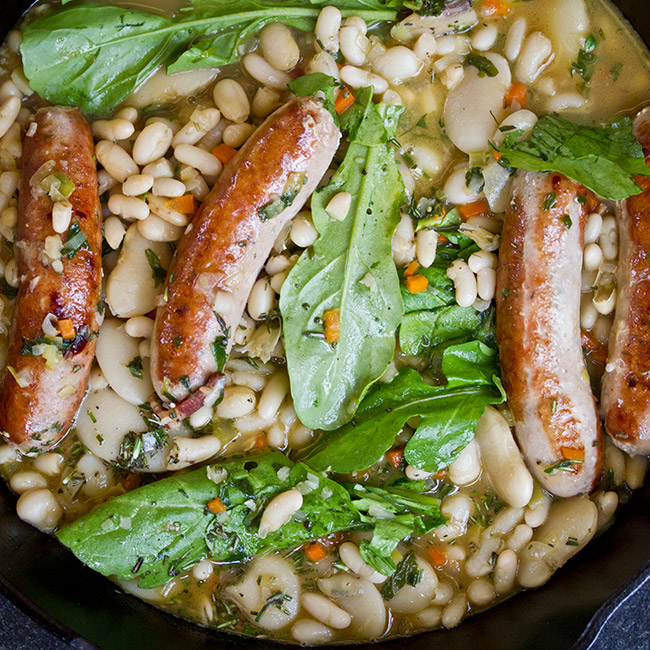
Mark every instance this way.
x=407 y=573
x=311 y=84
x=604 y=159
x=349 y=268
x=449 y=414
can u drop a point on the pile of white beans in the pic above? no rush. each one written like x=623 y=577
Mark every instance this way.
x=483 y=553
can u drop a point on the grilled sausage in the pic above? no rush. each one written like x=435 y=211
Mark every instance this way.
x=230 y=237
x=46 y=377
x=538 y=333
x=625 y=397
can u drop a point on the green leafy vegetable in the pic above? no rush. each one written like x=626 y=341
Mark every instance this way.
x=449 y=414
x=75 y=240
x=426 y=7
x=407 y=573
x=349 y=268
x=310 y=84
x=159 y=530
x=135 y=367
x=158 y=271
x=484 y=66
x=93 y=56
x=586 y=63
x=604 y=159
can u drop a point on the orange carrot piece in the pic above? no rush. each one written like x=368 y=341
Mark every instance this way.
x=224 y=153
x=497 y=155
x=573 y=454
x=216 y=507
x=261 y=442
x=131 y=481
x=411 y=269
x=343 y=101
x=495 y=8
x=67 y=329
x=443 y=239
x=517 y=93
x=183 y=204
x=315 y=552
x=417 y=283
x=332 y=318
x=437 y=557
x=475 y=209
x=396 y=458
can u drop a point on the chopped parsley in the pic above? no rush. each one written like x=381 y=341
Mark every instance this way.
x=550 y=201
x=75 y=241
x=484 y=66
x=586 y=63
x=135 y=366
x=158 y=272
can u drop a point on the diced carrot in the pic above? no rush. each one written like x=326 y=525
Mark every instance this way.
x=443 y=239
x=411 y=269
x=332 y=318
x=497 y=155
x=517 y=93
x=216 y=507
x=261 y=442
x=183 y=204
x=343 y=101
x=437 y=557
x=594 y=349
x=475 y=209
x=315 y=552
x=67 y=329
x=495 y=8
x=441 y=474
x=573 y=454
x=396 y=458
x=224 y=153
x=417 y=283
x=131 y=481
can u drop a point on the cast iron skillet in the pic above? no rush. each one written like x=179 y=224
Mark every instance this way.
x=74 y=602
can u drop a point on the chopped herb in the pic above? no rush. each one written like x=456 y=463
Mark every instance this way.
x=586 y=62
x=185 y=381
x=426 y=7
x=75 y=240
x=615 y=71
x=550 y=201
x=422 y=122
x=218 y=349
x=158 y=273
x=572 y=541
x=277 y=600
x=131 y=454
x=582 y=199
x=135 y=366
x=474 y=180
x=92 y=417
x=566 y=220
x=564 y=465
x=505 y=293
x=484 y=66
x=407 y=573
x=292 y=188
x=178 y=341
x=9 y=291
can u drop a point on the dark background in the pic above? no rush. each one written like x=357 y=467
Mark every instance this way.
x=47 y=591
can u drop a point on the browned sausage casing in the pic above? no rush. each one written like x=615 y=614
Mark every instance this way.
x=625 y=397
x=38 y=414
x=230 y=239
x=538 y=333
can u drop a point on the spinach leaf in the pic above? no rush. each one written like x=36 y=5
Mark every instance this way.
x=162 y=529
x=449 y=414
x=407 y=573
x=349 y=268
x=93 y=56
x=604 y=159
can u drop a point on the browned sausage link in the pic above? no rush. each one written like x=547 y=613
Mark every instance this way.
x=229 y=240
x=45 y=379
x=626 y=384
x=538 y=333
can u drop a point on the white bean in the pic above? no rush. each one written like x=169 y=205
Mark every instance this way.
x=467 y=467
x=39 y=508
x=137 y=185
x=127 y=113
x=453 y=614
x=615 y=463
x=185 y=452
x=156 y=229
x=446 y=44
x=327 y=29
x=160 y=168
x=397 y=64
x=266 y=100
x=428 y=159
x=113 y=130
x=515 y=39
x=444 y=593
x=339 y=206
x=207 y=163
x=310 y=632
x=279 y=511
x=139 y=327
x=521 y=535
x=237 y=402
x=425 y=47
x=49 y=464
x=9 y=110
x=456 y=189
x=563 y=101
x=409 y=600
x=464 y=283
x=194 y=182
x=11 y=273
x=303 y=232
x=608 y=239
x=258 y=68
x=415 y=474
x=426 y=247
x=351 y=557
x=261 y=299
x=201 y=417
x=325 y=63
x=486 y=281
x=358 y=77
x=231 y=99
x=588 y=314
x=536 y=55
x=279 y=47
x=202 y=120
x=482 y=260
x=152 y=143
x=158 y=205
x=593 y=227
x=203 y=570
x=115 y=160
x=168 y=187
x=483 y=39
x=480 y=592
x=273 y=395
x=593 y=257
x=234 y=135
x=353 y=41
x=505 y=571
x=324 y=610
x=25 y=480
x=635 y=471
x=9 y=89
x=129 y=207
x=536 y=516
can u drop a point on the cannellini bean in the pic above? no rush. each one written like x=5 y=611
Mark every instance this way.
x=156 y=229
x=310 y=632
x=261 y=299
x=608 y=239
x=414 y=474
x=502 y=459
x=201 y=417
x=49 y=464
x=273 y=395
x=409 y=600
x=480 y=592
x=593 y=257
x=351 y=557
x=237 y=401
x=202 y=120
x=505 y=571
x=9 y=89
x=588 y=314
x=234 y=135
x=521 y=535
x=11 y=141
x=464 y=282
x=160 y=168
x=203 y=570
x=325 y=63
x=428 y=159
x=358 y=77
x=635 y=471
x=537 y=513
x=279 y=47
x=129 y=207
x=425 y=46
x=361 y=599
x=137 y=184
x=570 y=525
x=564 y=101
x=97 y=381
x=324 y=610
x=105 y=181
x=453 y=614
x=61 y=216
x=339 y=206
x=278 y=280
x=615 y=463
x=231 y=99
x=168 y=187
x=254 y=380
x=446 y=44
x=353 y=41
x=521 y=120
x=536 y=55
x=397 y=64
x=602 y=328
x=456 y=189
x=139 y=327
x=426 y=247
x=127 y=113
x=264 y=73
x=303 y=231
x=152 y=143
x=444 y=593
x=593 y=227
x=515 y=39
x=486 y=281
x=11 y=273
x=158 y=206
x=606 y=502
x=115 y=160
x=467 y=467
x=9 y=110
x=458 y=508
x=484 y=38
x=194 y=182
x=39 y=508
x=327 y=29
x=184 y=452
x=25 y=480
x=570 y=24
x=279 y=511
x=265 y=576
x=266 y=100
x=97 y=477
x=113 y=130
x=482 y=260
x=198 y=158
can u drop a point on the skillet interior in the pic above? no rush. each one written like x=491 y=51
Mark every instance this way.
x=49 y=584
